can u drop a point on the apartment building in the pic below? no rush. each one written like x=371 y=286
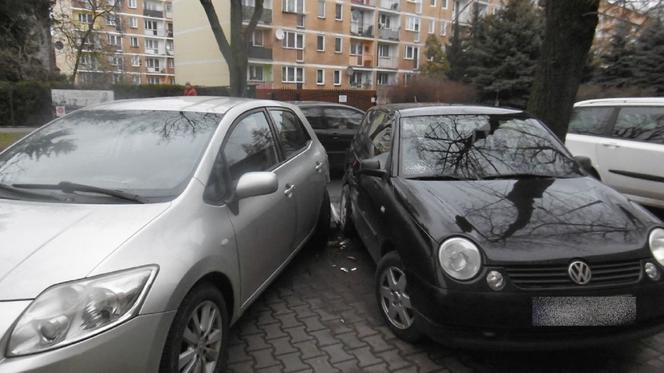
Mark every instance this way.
x=326 y=44
x=131 y=41
x=615 y=16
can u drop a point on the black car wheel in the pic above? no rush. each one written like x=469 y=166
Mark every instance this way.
x=198 y=337
x=393 y=298
x=345 y=215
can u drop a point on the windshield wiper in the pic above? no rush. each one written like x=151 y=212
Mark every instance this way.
x=69 y=187
x=437 y=177
x=518 y=176
x=25 y=193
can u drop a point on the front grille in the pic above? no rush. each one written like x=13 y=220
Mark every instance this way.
x=534 y=277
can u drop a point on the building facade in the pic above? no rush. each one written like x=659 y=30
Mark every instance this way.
x=322 y=44
x=131 y=41
x=615 y=17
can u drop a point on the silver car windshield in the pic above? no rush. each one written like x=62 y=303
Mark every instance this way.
x=481 y=146
x=150 y=154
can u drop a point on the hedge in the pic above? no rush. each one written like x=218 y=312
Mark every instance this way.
x=28 y=103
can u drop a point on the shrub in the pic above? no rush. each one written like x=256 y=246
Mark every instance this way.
x=432 y=90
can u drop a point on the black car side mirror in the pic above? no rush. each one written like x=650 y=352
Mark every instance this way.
x=371 y=167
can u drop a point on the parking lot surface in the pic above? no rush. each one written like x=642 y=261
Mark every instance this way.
x=321 y=315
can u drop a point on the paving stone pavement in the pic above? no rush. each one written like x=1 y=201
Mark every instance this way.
x=321 y=315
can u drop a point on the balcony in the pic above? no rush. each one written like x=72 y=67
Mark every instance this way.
x=363 y=2
x=360 y=60
x=261 y=53
x=390 y=4
x=361 y=29
x=388 y=34
x=248 y=11
x=153 y=13
x=388 y=62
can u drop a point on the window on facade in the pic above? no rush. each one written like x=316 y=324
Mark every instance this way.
x=321 y=8
x=383 y=51
x=111 y=20
x=151 y=25
x=292 y=6
x=133 y=41
x=136 y=60
x=170 y=62
x=250 y=147
x=114 y=40
x=85 y=18
x=132 y=4
x=338 y=45
x=153 y=80
x=384 y=21
x=293 y=40
x=257 y=38
x=432 y=26
x=169 y=45
x=320 y=76
x=133 y=22
x=443 y=28
x=382 y=78
x=290 y=131
x=444 y=3
x=256 y=72
x=411 y=52
x=152 y=45
x=412 y=23
x=338 y=12
x=292 y=74
x=152 y=63
x=115 y=60
x=355 y=48
x=320 y=43
x=337 y=77
x=432 y=2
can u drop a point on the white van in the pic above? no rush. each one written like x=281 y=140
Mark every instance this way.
x=624 y=139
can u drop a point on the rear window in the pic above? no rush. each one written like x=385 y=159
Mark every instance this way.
x=640 y=124
x=590 y=121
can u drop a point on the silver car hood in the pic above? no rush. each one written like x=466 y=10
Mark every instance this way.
x=42 y=244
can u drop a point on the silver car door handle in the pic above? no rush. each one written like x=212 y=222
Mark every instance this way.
x=288 y=192
x=611 y=145
x=319 y=166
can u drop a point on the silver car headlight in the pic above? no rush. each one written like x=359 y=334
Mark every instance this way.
x=70 y=312
x=656 y=242
x=460 y=258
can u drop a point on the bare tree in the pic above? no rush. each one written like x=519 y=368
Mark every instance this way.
x=235 y=51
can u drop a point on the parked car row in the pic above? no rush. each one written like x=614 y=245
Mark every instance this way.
x=145 y=228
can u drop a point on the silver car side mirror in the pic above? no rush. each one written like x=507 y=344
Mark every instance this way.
x=256 y=184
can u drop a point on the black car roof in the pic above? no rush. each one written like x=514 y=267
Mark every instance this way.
x=421 y=109
x=321 y=103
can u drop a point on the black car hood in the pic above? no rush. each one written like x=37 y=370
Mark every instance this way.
x=544 y=219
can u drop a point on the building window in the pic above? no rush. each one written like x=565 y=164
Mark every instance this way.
x=321 y=8
x=443 y=28
x=337 y=77
x=85 y=18
x=320 y=43
x=432 y=26
x=111 y=20
x=293 y=40
x=292 y=74
x=355 y=48
x=413 y=23
x=382 y=79
x=151 y=25
x=383 y=50
x=152 y=63
x=257 y=38
x=136 y=61
x=153 y=80
x=338 y=45
x=133 y=42
x=338 y=11
x=132 y=4
x=411 y=52
x=136 y=79
x=432 y=2
x=133 y=22
x=444 y=3
x=151 y=45
x=115 y=60
x=170 y=62
x=114 y=40
x=256 y=73
x=292 y=6
x=320 y=77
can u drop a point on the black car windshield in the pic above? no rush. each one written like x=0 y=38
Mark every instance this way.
x=150 y=154
x=481 y=146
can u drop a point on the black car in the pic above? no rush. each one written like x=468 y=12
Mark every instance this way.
x=488 y=233
x=335 y=125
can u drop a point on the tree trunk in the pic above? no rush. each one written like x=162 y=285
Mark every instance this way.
x=569 y=31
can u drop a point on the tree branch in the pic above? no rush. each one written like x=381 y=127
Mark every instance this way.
x=258 y=12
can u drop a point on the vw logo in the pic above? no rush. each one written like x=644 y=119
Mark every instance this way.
x=579 y=272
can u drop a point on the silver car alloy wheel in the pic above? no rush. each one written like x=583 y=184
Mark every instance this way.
x=393 y=298
x=201 y=342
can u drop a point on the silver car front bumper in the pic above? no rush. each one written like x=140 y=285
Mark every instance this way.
x=134 y=346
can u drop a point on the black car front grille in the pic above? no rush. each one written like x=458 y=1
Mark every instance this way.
x=535 y=277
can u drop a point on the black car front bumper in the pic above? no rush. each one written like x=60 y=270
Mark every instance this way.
x=504 y=319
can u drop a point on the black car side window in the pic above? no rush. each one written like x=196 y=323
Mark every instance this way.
x=591 y=121
x=290 y=131
x=640 y=124
x=380 y=135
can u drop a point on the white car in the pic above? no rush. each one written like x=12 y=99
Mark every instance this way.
x=624 y=140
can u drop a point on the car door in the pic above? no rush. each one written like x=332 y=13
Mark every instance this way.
x=588 y=128
x=303 y=167
x=634 y=154
x=264 y=225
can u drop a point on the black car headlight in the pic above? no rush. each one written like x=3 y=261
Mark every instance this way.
x=460 y=258
x=656 y=242
x=76 y=310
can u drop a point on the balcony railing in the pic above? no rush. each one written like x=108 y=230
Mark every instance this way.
x=153 y=13
x=360 y=29
x=366 y=84
x=388 y=34
x=387 y=62
x=390 y=4
x=361 y=60
x=259 y=52
x=364 y=2
x=248 y=11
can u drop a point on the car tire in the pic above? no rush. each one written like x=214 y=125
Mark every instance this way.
x=322 y=232
x=393 y=299
x=211 y=341
x=346 y=225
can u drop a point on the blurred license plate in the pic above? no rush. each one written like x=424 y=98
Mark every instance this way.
x=584 y=311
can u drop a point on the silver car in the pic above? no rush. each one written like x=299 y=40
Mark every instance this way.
x=135 y=232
